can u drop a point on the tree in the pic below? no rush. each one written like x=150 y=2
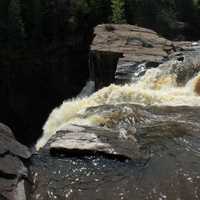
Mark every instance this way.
x=118 y=11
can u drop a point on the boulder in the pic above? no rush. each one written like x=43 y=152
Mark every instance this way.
x=184 y=64
x=13 y=172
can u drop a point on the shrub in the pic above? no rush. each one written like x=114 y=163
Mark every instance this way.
x=118 y=11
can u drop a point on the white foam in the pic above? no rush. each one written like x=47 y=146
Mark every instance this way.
x=154 y=88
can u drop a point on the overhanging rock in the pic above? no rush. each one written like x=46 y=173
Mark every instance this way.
x=120 y=52
x=117 y=46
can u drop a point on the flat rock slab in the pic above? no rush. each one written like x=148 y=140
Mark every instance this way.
x=95 y=139
x=131 y=41
x=127 y=130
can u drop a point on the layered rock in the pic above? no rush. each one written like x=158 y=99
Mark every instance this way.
x=13 y=172
x=121 y=53
x=148 y=152
x=128 y=46
x=133 y=42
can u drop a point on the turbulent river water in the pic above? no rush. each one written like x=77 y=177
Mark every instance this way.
x=153 y=123
x=157 y=87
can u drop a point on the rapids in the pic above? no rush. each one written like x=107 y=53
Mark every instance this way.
x=158 y=86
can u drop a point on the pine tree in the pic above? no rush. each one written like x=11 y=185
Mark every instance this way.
x=118 y=11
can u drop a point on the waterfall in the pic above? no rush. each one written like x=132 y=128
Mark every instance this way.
x=88 y=89
x=158 y=86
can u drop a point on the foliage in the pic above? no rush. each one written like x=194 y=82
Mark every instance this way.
x=118 y=11
x=32 y=20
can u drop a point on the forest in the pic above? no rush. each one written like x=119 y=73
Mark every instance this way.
x=40 y=20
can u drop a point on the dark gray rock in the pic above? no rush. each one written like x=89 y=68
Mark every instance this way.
x=116 y=46
x=13 y=173
x=96 y=139
x=131 y=72
x=6 y=130
x=10 y=165
x=126 y=129
x=118 y=51
x=161 y=144
x=9 y=144
x=187 y=65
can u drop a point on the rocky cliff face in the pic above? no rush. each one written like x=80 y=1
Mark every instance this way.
x=117 y=47
x=118 y=50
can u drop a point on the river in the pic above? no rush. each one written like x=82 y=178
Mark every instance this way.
x=156 y=151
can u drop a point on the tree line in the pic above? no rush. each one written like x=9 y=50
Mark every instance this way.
x=24 y=20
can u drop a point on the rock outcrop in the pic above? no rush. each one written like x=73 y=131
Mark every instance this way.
x=148 y=152
x=122 y=128
x=125 y=46
x=13 y=172
x=133 y=42
x=115 y=148
x=121 y=53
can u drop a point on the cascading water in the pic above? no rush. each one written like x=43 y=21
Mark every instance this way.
x=158 y=86
x=139 y=140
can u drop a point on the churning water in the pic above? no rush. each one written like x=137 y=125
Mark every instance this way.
x=157 y=112
x=158 y=86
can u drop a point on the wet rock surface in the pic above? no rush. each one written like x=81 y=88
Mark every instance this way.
x=187 y=64
x=89 y=140
x=128 y=51
x=131 y=71
x=167 y=175
x=13 y=172
x=128 y=150
x=118 y=46
x=164 y=165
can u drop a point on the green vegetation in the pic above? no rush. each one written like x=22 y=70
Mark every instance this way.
x=118 y=11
